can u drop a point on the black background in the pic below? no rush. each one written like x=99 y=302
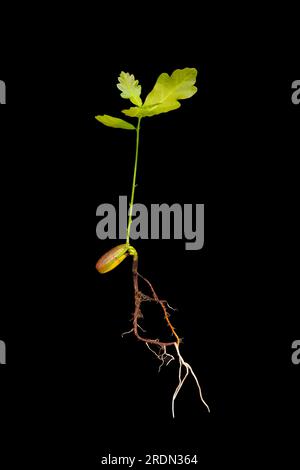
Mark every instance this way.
x=73 y=389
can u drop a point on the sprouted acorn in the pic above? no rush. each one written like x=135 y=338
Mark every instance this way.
x=164 y=97
x=112 y=258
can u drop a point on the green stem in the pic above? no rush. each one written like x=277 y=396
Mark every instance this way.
x=134 y=179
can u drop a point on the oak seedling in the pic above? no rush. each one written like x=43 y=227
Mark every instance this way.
x=165 y=96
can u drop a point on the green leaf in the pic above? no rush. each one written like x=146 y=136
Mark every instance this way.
x=114 y=122
x=166 y=93
x=147 y=111
x=134 y=112
x=130 y=88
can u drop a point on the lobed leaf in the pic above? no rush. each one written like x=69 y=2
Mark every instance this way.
x=130 y=88
x=166 y=93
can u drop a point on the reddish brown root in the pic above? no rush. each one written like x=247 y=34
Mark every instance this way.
x=162 y=346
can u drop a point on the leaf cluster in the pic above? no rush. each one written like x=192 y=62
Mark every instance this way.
x=164 y=97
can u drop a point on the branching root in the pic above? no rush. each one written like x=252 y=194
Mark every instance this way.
x=157 y=347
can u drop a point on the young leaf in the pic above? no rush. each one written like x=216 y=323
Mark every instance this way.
x=166 y=93
x=130 y=88
x=147 y=111
x=115 y=122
